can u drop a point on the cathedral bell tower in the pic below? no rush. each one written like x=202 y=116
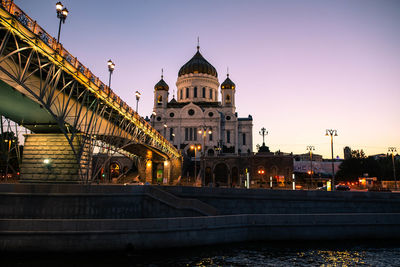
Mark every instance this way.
x=228 y=92
x=160 y=94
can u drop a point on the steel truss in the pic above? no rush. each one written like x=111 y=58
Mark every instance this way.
x=82 y=107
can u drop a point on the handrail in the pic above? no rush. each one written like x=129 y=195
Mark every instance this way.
x=30 y=24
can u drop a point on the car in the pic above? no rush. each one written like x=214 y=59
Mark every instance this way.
x=322 y=188
x=134 y=183
x=342 y=187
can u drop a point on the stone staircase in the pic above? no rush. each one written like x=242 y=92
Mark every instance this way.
x=180 y=203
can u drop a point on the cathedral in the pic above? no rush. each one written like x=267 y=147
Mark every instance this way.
x=202 y=118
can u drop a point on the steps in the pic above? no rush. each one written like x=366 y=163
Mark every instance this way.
x=180 y=203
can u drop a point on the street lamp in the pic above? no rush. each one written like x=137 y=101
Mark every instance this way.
x=392 y=150
x=203 y=131
x=111 y=67
x=332 y=133
x=165 y=130
x=311 y=148
x=62 y=14
x=263 y=132
x=153 y=116
x=137 y=94
x=195 y=148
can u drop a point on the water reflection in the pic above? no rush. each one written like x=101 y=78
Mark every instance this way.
x=244 y=254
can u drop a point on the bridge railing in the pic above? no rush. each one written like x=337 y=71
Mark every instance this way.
x=102 y=89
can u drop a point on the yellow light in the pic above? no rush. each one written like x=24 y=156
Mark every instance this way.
x=198 y=147
x=59 y=6
x=209 y=132
x=200 y=131
x=65 y=12
x=192 y=147
x=165 y=163
x=149 y=164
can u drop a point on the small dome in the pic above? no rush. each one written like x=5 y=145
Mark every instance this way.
x=161 y=85
x=228 y=84
x=198 y=64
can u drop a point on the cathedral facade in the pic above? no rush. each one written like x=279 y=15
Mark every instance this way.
x=202 y=118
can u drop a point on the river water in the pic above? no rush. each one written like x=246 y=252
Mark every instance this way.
x=243 y=254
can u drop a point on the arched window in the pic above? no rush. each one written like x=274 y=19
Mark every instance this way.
x=204 y=92
x=181 y=94
x=227 y=99
x=195 y=92
x=211 y=94
x=159 y=100
x=187 y=92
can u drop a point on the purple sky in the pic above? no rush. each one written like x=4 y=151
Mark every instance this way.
x=300 y=67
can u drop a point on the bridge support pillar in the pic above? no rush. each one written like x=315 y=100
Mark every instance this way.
x=171 y=170
x=175 y=169
x=49 y=158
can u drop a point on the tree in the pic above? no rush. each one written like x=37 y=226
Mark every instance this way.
x=10 y=153
x=360 y=165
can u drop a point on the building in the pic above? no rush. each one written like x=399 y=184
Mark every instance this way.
x=197 y=116
x=203 y=119
x=306 y=157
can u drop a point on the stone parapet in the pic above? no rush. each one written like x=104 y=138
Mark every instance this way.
x=90 y=235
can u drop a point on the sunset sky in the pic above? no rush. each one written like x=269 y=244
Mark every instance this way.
x=300 y=67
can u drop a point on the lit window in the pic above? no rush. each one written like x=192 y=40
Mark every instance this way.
x=228 y=99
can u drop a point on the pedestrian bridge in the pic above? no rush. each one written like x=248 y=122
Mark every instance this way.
x=71 y=112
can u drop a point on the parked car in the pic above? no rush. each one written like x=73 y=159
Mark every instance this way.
x=342 y=187
x=134 y=183
x=322 y=188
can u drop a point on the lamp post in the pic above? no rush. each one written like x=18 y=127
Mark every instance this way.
x=311 y=148
x=392 y=150
x=62 y=14
x=263 y=132
x=111 y=67
x=195 y=148
x=137 y=94
x=332 y=133
x=153 y=116
x=203 y=131
x=165 y=130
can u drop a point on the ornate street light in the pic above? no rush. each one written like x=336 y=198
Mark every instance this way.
x=137 y=94
x=311 y=148
x=62 y=14
x=392 y=150
x=195 y=148
x=263 y=133
x=203 y=131
x=332 y=133
x=111 y=67
x=153 y=117
x=165 y=130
